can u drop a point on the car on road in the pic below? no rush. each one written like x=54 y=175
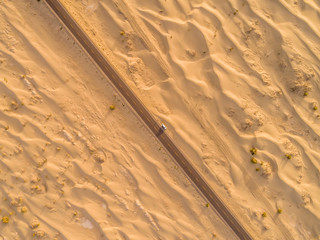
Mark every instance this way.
x=163 y=127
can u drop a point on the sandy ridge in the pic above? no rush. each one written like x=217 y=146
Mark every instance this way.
x=224 y=149
x=250 y=63
x=63 y=154
x=243 y=66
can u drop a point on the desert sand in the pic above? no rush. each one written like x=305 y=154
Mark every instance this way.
x=71 y=168
x=226 y=77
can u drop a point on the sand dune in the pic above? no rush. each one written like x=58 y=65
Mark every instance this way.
x=226 y=76
x=71 y=168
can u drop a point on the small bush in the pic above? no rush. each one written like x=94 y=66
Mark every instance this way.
x=315 y=108
x=288 y=156
x=253 y=151
x=279 y=210
x=253 y=160
x=24 y=209
x=122 y=33
x=264 y=214
x=14 y=105
x=35 y=225
x=5 y=219
x=112 y=107
x=305 y=94
x=257 y=169
x=207 y=204
x=39 y=234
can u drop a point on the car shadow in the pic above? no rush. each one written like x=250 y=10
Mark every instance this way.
x=159 y=132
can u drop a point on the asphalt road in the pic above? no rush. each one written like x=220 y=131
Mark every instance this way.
x=137 y=105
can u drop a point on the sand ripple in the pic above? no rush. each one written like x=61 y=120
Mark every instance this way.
x=240 y=74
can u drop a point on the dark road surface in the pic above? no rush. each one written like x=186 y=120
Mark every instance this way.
x=141 y=110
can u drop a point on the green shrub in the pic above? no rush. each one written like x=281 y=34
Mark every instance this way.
x=257 y=169
x=253 y=151
x=112 y=107
x=289 y=156
x=264 y=214
x=279 y=210
x=207 y=204
x=305 y=94
x=5 y=219
x=253 y=160
x=24 y=209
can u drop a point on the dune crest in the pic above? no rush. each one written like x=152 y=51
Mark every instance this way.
x=230 y=76
x=235 y=82
x=71 y=166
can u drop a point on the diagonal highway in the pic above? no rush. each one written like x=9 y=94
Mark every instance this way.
x=146 y=116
